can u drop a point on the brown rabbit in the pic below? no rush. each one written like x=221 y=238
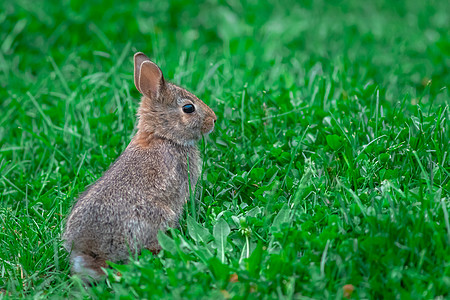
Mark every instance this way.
x=145 y=189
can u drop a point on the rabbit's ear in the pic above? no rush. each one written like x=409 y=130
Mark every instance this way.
x=148 y=77
x=139 y=58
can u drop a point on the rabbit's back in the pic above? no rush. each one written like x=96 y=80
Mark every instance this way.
x=142 y=192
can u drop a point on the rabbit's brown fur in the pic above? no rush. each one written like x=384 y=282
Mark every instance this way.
x=145 y=189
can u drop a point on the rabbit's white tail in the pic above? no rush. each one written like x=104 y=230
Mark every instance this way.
x=87 y=266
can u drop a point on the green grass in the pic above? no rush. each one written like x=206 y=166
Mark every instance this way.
x=329 y=166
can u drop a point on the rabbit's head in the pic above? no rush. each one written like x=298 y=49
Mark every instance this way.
x=166 y=110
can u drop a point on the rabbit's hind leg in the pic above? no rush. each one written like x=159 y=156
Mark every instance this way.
x=87 y=266
x=154 y=248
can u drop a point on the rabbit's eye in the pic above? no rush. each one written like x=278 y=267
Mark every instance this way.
x=188 y=108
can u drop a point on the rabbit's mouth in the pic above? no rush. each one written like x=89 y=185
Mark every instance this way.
x=208 y=127
x=208 y=131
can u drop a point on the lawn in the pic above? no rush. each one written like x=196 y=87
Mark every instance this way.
x=328 y=174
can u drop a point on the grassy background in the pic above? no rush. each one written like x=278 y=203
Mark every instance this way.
x=329 y=165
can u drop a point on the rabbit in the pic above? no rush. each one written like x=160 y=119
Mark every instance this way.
x=145 y=189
